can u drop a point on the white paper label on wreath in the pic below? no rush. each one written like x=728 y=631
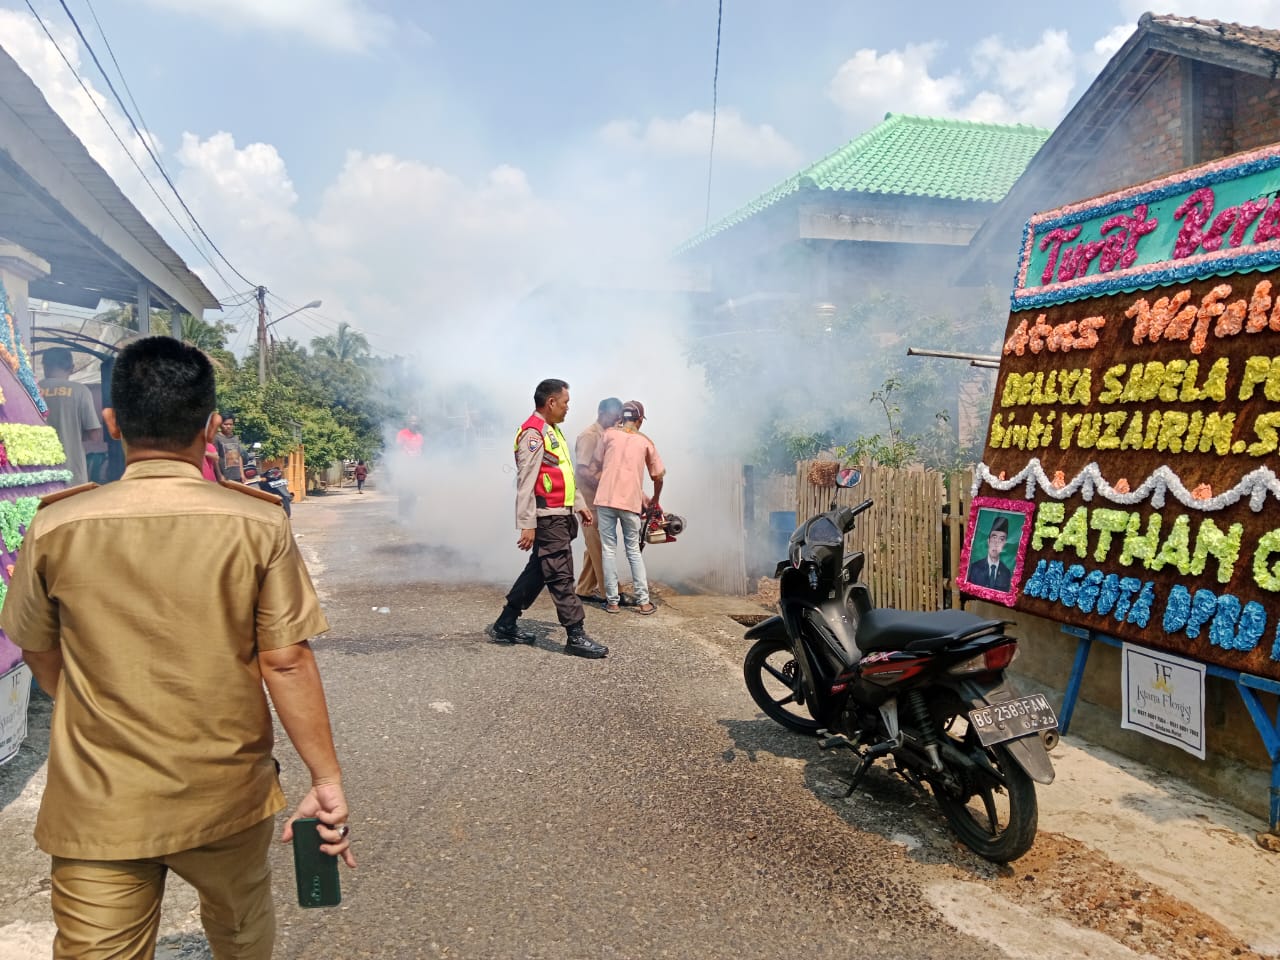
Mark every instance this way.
x=15 y=690
x=1163 y=697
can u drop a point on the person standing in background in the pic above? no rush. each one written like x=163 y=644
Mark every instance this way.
x=622 y=459
x=71 y=411
x=409 y=448
x=361 y=474
x=209 y=466
x=546 y=500
x=230 y=450
x=591 y=580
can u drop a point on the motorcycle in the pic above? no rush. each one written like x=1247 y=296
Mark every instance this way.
x=273 y=481
x=927 y=691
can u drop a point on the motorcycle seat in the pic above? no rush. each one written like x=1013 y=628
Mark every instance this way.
x=885 y=629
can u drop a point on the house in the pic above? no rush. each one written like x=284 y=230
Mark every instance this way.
x=1181 y=91
x=894 y=206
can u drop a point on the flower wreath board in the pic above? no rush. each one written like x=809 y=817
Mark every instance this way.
x=1136 y=418
x=32 y=464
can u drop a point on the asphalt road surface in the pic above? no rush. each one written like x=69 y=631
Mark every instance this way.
x=514 y=802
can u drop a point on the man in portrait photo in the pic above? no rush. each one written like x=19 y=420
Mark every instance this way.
x=986 y=569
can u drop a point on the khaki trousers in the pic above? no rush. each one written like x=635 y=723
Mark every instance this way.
x=110 y=909
x=591 y=580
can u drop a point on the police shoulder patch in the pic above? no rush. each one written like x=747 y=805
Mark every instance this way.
x=250 y=491
x=534 y=443
x=64 y=494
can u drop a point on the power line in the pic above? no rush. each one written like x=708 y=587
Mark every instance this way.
x=146 y=144
x=138 y=110
x=127 y=152
x=120 y=73
x=715 y=83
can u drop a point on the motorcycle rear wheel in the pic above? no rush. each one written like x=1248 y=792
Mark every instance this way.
x=773 y=680
x=996 y=822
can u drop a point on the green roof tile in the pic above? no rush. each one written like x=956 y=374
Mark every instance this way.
x=910 y=156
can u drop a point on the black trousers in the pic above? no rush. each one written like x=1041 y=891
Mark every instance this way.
x=551 y=565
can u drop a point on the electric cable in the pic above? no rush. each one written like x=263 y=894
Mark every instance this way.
x=146 y=144
x=711 y=154
x=127 y=152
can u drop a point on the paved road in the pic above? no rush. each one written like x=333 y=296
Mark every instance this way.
x=516 y=802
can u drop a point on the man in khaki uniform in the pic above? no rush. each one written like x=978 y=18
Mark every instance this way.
x=608 y=413
x=161 y=739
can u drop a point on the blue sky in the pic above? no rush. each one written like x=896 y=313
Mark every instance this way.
x=413 y=163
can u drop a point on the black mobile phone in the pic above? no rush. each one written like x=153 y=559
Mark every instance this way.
x=316 y=872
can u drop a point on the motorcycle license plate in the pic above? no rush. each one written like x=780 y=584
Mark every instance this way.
x=1012 y=719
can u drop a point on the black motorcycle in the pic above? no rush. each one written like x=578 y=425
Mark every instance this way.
x=273 y=481
x=927 y=690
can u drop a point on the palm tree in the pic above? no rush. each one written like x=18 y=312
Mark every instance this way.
x=201 y=334
x=346 y=343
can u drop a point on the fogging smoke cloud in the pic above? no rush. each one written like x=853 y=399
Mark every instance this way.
x=629 y=342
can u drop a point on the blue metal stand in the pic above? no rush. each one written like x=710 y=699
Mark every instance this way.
x=1247 y=684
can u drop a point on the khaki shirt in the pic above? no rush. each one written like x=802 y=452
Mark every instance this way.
x=161 y=589
x=584 y=451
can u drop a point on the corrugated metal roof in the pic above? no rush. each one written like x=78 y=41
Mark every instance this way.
x=83 y=183
x=910 y=157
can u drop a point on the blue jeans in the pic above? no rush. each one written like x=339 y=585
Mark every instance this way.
x=608 y=518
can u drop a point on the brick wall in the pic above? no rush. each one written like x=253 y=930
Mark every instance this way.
x=1236 y=112
x=1217 y=108
x=1147 y=142
x=1257 y=112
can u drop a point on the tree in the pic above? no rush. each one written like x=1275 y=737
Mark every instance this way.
x=803 y=383
x=346 y=344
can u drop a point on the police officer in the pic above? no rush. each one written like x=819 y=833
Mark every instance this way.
x=546 y=499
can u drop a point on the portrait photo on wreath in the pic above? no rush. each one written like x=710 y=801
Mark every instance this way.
x=991 y=561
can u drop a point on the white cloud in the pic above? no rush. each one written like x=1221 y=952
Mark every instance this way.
x=871 y=84
x=351 y=25
x=26 y=42
x=1020 y=85
x=757 y=145
x=1105 y=47
x=1032 y=84
x=395 y=246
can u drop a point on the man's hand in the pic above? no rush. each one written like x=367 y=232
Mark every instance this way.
x=526 y=538
x=327 y=803
x=586 y=515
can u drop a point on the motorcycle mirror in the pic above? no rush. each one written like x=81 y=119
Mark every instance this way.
x=848 y=478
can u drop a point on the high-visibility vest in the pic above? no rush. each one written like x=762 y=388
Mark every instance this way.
x=555 y=486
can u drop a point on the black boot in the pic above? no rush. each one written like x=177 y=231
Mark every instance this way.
x=580 y=645
x=507 y=628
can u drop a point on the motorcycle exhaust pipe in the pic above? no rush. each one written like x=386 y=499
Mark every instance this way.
x=1050 y=738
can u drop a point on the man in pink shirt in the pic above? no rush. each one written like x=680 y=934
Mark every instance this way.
x=621 y=460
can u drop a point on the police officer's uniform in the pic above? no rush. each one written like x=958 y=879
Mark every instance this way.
x=546 y=500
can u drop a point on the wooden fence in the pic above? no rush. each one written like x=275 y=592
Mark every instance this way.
x=902 y=535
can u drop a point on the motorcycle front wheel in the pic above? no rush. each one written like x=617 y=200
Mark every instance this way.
x=775 y=684
x=996 y=821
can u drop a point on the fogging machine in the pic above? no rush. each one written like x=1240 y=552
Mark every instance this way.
x=659 y=527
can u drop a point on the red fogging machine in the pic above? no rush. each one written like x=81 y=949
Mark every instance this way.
x=659 y=527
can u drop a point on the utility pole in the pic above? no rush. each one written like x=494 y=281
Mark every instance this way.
x=262 y=336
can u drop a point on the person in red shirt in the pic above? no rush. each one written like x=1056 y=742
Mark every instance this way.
x=361 y=473
x=409 y=440
x=409 y=450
